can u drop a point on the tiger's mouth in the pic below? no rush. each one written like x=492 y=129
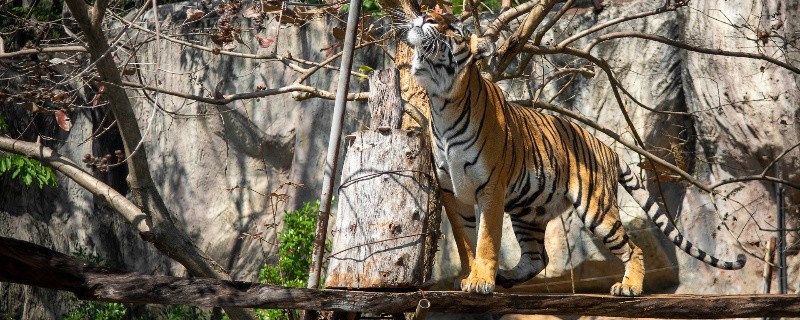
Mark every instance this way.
x=422 y=28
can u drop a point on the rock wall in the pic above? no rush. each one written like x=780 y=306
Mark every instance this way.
x=217 y=166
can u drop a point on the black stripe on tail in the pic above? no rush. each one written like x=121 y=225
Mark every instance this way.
x=630 y=181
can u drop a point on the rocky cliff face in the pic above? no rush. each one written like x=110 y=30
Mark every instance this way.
x=217 y=166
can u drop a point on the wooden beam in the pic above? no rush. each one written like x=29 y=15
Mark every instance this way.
x=26 y=263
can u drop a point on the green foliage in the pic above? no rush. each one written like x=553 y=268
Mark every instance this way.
x=370 y=6
x=90 y=310
x=296 y=242
x=365 y=69
x=181 y=312
x=27 y=170
x=14 y=20
x=494 y=5
x=41 y=10
x=3 y=124
x=294 y=255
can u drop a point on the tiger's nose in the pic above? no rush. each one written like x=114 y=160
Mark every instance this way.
x=419 y=21
x=423 y=19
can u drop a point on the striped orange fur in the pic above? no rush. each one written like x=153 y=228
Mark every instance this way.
x=503 y=157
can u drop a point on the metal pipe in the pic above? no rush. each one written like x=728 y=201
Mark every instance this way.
x=422 y=309
x=781 y=250
x=769 y=257
x=331 y=162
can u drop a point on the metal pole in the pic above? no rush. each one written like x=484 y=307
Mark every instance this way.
x=781 y=250
x=331 y=162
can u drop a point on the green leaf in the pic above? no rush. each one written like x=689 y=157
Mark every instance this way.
x=365 y=69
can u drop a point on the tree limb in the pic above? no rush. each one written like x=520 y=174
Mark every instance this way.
x=25 y=52
x=31 y=264
x=74 y=172
x=514 y=44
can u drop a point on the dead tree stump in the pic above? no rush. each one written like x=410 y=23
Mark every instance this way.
x=387 y=223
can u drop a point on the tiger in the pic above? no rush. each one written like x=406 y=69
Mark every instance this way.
x=501 y=157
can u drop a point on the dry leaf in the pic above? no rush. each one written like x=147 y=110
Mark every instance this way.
x=237 y=37
x=330 y=50
x=271 y=6
x=252 y=12
x=59 y=96
x=193 y=14
x=63 y=120
x=338 y=33
x=664 y=173
x=230 y=46
x=100 y=89
x=220 y=39
x=264 y=42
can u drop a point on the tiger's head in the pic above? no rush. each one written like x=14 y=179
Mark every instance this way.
x=443 y=51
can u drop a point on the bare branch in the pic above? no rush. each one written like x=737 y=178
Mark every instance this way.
x=755 y=178
x=330 y=59
x=312 y=91
x=537 y=40
x=26 y=52
x=686 y=46
x=514 y=44
x=504 y=18
x=558 y=74
x=584 y=33
x=119 y=202
x=778 y=158
x=164 y=235
x=270 y=56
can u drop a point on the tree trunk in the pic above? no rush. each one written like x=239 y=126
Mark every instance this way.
x=387 y=223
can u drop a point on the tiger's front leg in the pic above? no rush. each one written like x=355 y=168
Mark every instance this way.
x=461 y=217
x=481 y=278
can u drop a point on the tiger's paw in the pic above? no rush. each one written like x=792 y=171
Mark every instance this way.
x=477 y=285
x=621 y=289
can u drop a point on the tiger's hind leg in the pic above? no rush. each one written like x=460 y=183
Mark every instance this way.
x=604 y=223
x=533 y=256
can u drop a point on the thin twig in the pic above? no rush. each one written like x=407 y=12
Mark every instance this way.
x=686 y=46
x=324 y=94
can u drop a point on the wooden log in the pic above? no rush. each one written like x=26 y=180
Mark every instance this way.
x=26 y=263
x=387 y=223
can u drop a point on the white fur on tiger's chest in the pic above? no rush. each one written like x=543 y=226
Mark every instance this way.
x=456 y=172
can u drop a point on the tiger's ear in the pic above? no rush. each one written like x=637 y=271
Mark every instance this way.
x=481 y=47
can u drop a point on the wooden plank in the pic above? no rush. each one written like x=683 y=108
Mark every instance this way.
x=27 y=263
x=387 y=222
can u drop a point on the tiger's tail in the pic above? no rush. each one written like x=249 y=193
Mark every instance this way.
x=631 y=182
